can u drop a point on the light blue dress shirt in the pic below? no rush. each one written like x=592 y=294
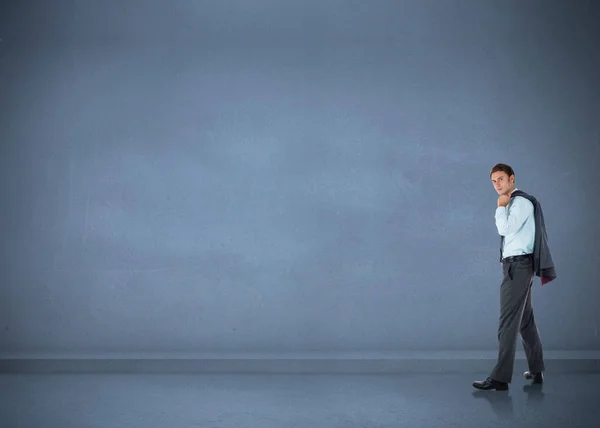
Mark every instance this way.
x=516 y=223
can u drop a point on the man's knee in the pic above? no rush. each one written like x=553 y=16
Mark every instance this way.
x=526 y=322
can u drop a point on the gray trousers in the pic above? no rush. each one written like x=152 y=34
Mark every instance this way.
x=516 y=317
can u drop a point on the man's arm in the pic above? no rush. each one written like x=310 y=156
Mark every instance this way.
x=510 y=220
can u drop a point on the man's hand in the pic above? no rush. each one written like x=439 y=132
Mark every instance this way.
x=503 y=200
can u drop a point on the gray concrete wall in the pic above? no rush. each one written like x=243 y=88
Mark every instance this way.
x=184 y=177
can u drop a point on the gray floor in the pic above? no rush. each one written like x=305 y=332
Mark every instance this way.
x=297 y=400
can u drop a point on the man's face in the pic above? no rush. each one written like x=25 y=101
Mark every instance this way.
x=502 y=182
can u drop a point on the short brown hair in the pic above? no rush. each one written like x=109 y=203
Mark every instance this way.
x=502 y=167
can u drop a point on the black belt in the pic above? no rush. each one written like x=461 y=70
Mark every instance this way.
x=517 y=258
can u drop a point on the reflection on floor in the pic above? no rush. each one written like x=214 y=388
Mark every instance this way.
x=277 y=400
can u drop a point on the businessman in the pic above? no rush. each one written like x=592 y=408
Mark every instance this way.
x=524 y=253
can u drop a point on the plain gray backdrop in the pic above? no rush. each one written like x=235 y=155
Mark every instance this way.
x=192 y=176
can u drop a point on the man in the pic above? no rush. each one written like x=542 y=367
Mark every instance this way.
x=524 y=254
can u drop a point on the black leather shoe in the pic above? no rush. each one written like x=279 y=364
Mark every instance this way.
x=490 y=383
x=535 y=377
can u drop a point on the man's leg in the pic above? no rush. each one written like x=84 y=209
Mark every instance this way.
x=514 y=293
x=531 y=338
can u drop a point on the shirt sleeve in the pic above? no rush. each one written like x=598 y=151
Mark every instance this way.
x=509 y=220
